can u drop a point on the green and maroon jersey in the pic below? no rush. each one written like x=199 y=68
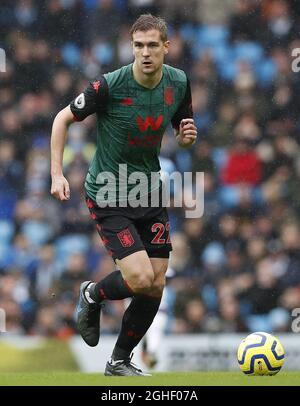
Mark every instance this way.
x=131 y=121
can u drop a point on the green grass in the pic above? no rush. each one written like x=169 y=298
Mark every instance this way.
x=50 y=355
x=159 y=379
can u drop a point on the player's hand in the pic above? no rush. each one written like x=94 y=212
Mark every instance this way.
x=60 y=188
x=187 y=132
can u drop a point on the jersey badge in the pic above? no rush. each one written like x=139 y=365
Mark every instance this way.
x=169 y=96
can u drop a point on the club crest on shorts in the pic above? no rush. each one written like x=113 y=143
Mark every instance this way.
x=126 y=238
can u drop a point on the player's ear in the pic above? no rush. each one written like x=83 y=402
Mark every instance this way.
x=166 y=47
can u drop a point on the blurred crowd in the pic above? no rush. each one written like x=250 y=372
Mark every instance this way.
x=237 y=268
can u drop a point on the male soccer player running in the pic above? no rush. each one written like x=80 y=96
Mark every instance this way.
x=134 y=105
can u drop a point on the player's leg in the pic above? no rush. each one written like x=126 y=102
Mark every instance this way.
x=140 y=313
x=156 y=331
x=156 y=239
x=121 y=239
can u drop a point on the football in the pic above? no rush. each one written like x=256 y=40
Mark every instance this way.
x=260 y=354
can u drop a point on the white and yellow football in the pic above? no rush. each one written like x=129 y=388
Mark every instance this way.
x=260 y=354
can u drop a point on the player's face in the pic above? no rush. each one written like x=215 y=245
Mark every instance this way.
x=149 y=51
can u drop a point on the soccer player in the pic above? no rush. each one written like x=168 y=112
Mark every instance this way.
x=134 y=105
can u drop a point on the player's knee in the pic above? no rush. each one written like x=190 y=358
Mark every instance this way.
x=142 y=281
x=158 y=286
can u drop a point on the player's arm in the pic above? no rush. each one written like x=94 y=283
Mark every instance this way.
x=183 y=122
x=60 y=186
x=93 y=99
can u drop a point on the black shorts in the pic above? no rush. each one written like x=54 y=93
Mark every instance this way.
x=125 y=230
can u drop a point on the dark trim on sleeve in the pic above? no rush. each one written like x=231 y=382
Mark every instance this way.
x=185 y=110
x=94 y=99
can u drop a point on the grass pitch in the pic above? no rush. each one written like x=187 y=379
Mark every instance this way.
x=158 y=379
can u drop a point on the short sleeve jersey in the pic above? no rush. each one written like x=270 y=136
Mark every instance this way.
x=131 y=121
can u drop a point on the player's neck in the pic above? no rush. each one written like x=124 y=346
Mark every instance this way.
x=149 y=81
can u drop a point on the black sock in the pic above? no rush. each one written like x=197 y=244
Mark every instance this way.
x=137 y=319
x=113 y=287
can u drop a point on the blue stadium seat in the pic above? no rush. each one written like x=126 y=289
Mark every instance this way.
x=221 y=53
x=212 y=35
x=6 y=257
x=103 y=52
x=209 y=297
x=259 y=322
x=227 y=69
x=36 y=232
x=7 y=230
x=265 y=72
x=220 y=157
x=8 y=200
x=183 y=161
x=248 y=51
x=188 y=32
x=208 y=38
x=71 y=244
x=71 y=54
x=213 y=254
